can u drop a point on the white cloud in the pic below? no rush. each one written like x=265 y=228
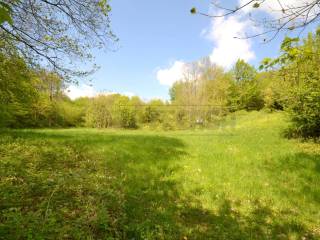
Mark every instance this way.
x=74 y=92
x=227 y=49
x=182 y=71
x=174 y=73
x=84 y=90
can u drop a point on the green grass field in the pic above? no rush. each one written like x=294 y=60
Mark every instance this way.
x=242 y=181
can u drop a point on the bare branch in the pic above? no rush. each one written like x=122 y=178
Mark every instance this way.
x=288 y=17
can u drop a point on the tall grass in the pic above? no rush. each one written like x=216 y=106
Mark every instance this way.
x=240 y=181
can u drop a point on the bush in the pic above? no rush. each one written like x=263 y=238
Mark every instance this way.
x=305 y=110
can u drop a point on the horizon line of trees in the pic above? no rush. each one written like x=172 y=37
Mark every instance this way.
x=32 y=97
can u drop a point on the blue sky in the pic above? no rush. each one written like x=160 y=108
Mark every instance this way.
x=158 y=37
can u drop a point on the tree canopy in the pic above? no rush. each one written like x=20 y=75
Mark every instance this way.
x=56 y=33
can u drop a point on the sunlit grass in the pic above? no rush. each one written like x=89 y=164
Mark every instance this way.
x=240 y=181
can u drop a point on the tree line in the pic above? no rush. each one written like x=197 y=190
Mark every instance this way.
x=205 y=97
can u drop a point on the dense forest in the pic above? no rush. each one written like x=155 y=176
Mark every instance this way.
x=34 y=97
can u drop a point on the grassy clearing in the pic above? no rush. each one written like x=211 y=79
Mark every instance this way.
x=243 y=181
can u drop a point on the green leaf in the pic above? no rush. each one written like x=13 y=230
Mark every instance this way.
x=291 y=28
x=193 y=10
x=105 y=7
x=5 y=12
x=256 y=5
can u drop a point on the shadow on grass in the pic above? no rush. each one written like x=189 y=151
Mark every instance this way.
x=301 y=174
x=111 y=186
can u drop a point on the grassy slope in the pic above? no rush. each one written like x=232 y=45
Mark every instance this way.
x=240 y=182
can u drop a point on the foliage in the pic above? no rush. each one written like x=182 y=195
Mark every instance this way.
x=299 y=69
x=111 y=110
x=5 y=13
x=152 y=111
x=245 y=91
x=32 y=98
x=17 y=94
x=99 y=112
x=305 y=94
x=203 y=98
x=125 y=112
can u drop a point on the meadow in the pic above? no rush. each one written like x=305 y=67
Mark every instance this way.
x=243 y=180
